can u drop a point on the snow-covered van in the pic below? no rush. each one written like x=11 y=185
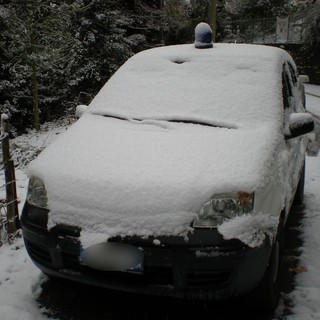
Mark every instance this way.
x=179 y=176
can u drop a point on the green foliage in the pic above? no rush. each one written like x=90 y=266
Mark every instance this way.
x=34 y=47
x=57 y=54
x=177 y=13
x=182 y=17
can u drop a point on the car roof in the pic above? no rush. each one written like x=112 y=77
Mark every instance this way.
x=229 y=85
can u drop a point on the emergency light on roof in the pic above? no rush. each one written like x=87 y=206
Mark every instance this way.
x=203 y=36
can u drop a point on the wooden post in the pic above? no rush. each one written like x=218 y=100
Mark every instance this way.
x=161 y=24
x=213 y=18
x=10 y=181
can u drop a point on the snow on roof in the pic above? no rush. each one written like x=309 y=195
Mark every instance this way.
x=151 y=177
x=232 y=85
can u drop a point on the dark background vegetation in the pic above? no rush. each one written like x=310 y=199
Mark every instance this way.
x=56 y=54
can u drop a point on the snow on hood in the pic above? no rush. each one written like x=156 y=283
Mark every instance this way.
x=113 y=176
x=150 y=177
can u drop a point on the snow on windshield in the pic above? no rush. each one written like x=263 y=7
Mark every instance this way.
x=228 y=85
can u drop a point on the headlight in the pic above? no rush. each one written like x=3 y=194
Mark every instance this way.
x=222 y=207
x=37 y=194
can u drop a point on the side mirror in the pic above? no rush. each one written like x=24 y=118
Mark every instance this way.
x=299 y=124
x=80 y=110
x=304 y=78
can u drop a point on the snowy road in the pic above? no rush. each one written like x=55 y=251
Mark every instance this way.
x=22 y=286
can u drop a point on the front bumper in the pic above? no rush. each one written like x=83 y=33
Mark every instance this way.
x=204 y=267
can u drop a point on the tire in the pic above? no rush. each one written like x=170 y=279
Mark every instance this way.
x=266 y=296
x=298 y=198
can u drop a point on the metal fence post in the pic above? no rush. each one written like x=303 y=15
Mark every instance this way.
x=10 y=181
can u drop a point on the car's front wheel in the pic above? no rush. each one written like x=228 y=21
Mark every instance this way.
x=266 y=296
x=298 y=198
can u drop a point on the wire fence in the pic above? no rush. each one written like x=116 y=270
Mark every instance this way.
x=6 y=236
x=288 y=30
x=3 y=222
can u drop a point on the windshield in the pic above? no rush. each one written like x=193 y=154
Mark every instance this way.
x=213 y=86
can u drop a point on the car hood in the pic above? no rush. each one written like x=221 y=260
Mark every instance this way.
x=117 y=177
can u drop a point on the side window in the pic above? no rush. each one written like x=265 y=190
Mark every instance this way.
x=297 y=87
x=287 y=95
x=286 y=89
x=293 y=74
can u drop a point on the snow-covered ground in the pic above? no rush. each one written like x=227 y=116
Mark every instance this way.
x=20 y=280
x=305 y=297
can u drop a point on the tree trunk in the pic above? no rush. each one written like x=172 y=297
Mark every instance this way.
x=213 y=18
x=35 y=97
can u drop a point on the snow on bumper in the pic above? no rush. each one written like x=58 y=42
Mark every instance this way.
x=250 y=229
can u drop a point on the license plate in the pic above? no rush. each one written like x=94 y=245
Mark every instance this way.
x=113 y=256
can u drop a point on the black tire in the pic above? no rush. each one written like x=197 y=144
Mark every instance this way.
x=266 y=296
x=298 y=198
x=54 y=279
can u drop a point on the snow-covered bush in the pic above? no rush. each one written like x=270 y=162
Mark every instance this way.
x=26 y=147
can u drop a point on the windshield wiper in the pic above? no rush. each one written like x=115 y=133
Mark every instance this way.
x=203 y=123
x=159 y=123
x=162 y=122
x=115 y=117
